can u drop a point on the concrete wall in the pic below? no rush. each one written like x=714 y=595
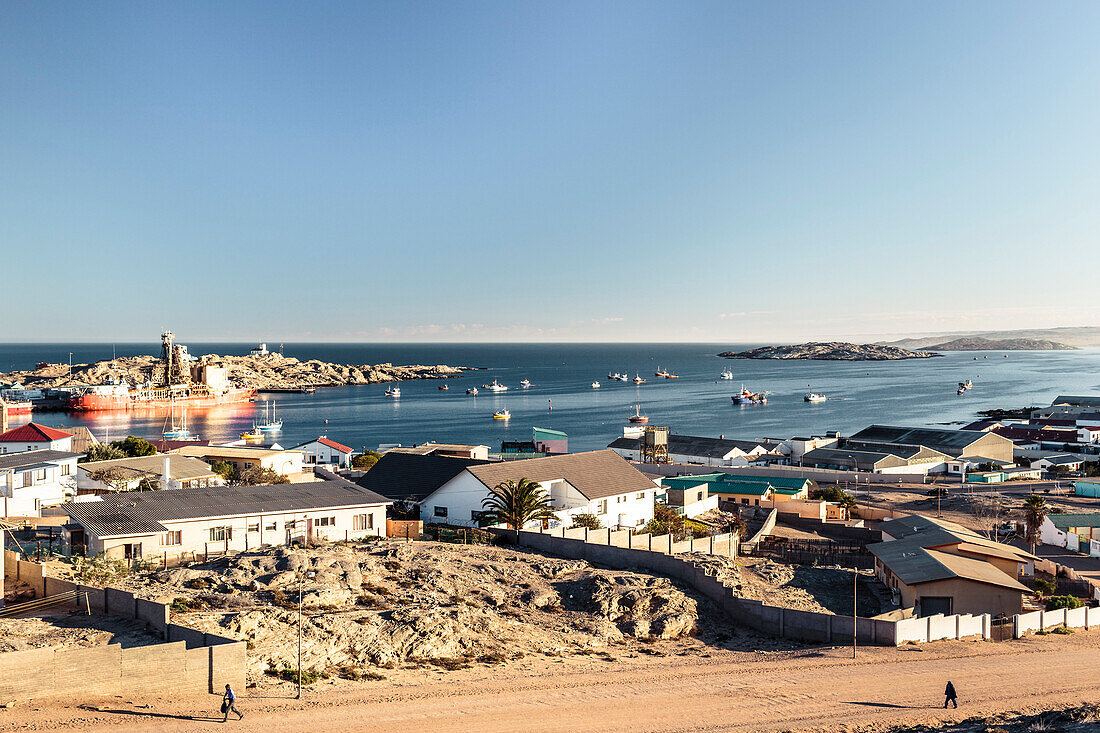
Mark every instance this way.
x=829 y=529
x=766 y=529
x=111 y=670
x=819 y=475
x=1077 y=618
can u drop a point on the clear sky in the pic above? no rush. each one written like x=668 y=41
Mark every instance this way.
x=729 y=171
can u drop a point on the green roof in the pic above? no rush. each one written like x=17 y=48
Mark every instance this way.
x=1065 y=521
x=547 y=432
x=787 y=491
x=721 y=483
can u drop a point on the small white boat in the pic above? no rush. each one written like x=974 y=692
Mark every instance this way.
x=496 y=387
x=595 y=385
x=272 y=423
x=472 y=390
x=176 y=430
x=502 y=415
x=525 y=383
x=638 y=378
x=815 y=397
x=622 y=377
x=726 y=376
x=966 y=385
x=393 y=392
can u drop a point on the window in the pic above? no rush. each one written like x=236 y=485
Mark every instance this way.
x=270 y=526
x=362 y=521
x=324 y=522
x=601 y=506
x=40 y=474
x=254 y=527
x=441 y=511
x=699 y=496
x=744 y=501
x=221 y=534
x=172 y=538
x=641 y=495
x=66 y=469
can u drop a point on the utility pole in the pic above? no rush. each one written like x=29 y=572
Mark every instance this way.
x=855 y=601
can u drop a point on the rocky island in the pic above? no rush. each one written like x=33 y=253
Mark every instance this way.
x=977 y=343
x=266 y=371
x=830 y=351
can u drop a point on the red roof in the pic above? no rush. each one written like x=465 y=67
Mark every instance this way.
x=333 y=444
x=32 y=432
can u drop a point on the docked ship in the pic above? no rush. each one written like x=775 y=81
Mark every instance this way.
x=182 y=382
x=745 y=397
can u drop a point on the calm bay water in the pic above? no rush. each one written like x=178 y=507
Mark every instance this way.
x=915 y=392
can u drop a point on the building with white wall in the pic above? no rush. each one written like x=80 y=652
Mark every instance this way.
x=169 y=471
x=172 y=524
x=325 y=452
x=700 y=451
x=34 y=479
x=34 y=436
x=284 y=462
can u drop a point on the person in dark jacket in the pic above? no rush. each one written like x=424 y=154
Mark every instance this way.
x=950 y=695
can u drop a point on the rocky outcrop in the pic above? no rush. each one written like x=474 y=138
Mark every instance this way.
x=830 y=351
x=977 y=343
x=269 y=371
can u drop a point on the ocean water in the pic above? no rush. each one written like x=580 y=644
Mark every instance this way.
x=914 y=392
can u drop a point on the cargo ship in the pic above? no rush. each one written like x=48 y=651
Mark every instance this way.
x=191 y=385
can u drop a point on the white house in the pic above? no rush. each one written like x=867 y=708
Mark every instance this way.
x=285 y=462
x=33 y=436
x=156 y=524
x=125 y=474
x=1061 y=460
x=1072 y=531
x=31 y=480
x=595 y=482
x=325 y=452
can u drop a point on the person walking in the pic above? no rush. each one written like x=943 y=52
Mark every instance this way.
x=229 y=704
x=949 y=694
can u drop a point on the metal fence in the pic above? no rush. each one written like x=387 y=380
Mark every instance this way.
x=815 y=552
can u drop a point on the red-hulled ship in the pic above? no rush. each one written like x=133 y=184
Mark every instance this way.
x=185 y=384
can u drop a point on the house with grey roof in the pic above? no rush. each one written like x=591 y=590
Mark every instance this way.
x=701 y=451
x=34 y=479
x=935 y=566
x=189 y=522
x=1071 y=531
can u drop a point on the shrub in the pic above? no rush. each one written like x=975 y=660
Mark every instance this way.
x=1056 y=602
x=586 y=520
x=1045 y=587
x=366 y=460
x=357 y=674
x=290 y=674
x=450 y=663
x=183 y=605
x=99 y=570
x=1062 y=630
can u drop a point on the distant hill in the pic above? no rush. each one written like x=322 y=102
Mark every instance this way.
x=977 y=343
x=829 y=351
x=1078 y=336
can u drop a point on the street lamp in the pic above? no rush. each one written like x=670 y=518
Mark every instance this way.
x=310 y=574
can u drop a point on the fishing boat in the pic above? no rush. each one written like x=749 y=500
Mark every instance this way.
x=393 y=391
x=638 y=417
x=174 y=430
x=252 y=436
x=966 y=385
x=622 y=377
x=612 y=375
x=726 y=376
x=639 y=379
x=272 y=423
x=444 y=387
x=595 y=385
x=525 y=383
x=814 y=397
x=472 y=390
x=660 y=372
x=960 y=391
x=745 y=397
x=669 y=375
x=496 y=387
x=502 y=415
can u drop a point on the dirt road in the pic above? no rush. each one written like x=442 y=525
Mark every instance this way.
x=821 y=689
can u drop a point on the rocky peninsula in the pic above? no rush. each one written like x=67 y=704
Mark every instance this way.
x=977 y=343
x=268 y=371
x=830 y=351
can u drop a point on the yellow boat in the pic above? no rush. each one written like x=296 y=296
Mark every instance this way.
x=253 y=436
x=501 y=415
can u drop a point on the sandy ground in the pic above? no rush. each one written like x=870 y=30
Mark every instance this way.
x=821 y=689
x=62 y=629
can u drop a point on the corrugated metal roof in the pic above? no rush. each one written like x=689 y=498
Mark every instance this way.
x=180 y=467
x=1065 y=521
x=914 y=564
x=596 y=474
x=950 y=442
x=34 y=457
x=143 y=512
x=694 y=445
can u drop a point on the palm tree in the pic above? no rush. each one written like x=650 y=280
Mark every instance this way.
x=848 y=504
x=516 y=503
x=1035 y=511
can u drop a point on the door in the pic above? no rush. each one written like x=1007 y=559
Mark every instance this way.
x=931 y=605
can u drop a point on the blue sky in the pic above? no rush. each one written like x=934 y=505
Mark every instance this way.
x=547 y=171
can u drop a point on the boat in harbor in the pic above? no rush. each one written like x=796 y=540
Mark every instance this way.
x=444 y=387
x=21 y=407
x=502 y=415
x=595 y=385
x=638 y=418
x=622 y=377
x=472 y=390
x=638 y=378
x=669 y=375
x=271 y=423
x=745 y=397
x=814 y=397
x=496 y=387
x=660 y=373
x=726 y=376
x=252 y=436
x=173 y=429
x=525 y=383
x=180 y=379
x=966 y=385
x=393 y=391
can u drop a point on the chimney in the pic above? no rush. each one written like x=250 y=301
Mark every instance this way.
x=165 y=476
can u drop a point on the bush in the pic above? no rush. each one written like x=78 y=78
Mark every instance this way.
x=99 y=570
x=290 y=674
x=666 y=521
x=1056 y=602
x=357 y=674
x=183 y=605
x=366 y=460
x=1045 y=587
x=586 y=520
x=831 y=493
